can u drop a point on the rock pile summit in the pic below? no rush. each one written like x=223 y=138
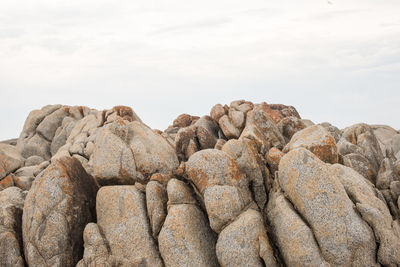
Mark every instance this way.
x=247 y=185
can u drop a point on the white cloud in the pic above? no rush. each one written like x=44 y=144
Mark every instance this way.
x=336 y=62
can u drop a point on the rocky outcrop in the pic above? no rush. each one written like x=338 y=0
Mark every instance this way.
x=227 y=198
x=57 y=208
x=246 y=185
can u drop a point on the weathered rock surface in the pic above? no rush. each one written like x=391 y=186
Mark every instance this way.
x=10 y=160
x=57 y=208
x=295 y=239
x=123 y=224
x=360 y=139
x=317 y=140
x=245 y=243
x=248 y=185
x=186 y=239
x=12 y=203
x=319 y=196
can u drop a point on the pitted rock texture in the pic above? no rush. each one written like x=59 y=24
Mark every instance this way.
x=12 y=204
x=249 y=184
x=57 y=208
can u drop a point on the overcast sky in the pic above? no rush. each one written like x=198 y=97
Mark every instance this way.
x=336 y=60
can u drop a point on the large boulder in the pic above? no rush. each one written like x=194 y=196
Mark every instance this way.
x=231 y=210
x=12 y=204
x=122 y=219
x=112 y=160
x=152 y=153
x=10 y=159
x=252 y=164
x=361 y=139
x=374 y=211
x=186 y=239
x=156 y=203
x=245 y=243
x=63 y=196
x=384 y=134
x=317 y=140
x=320 y=198
x=126 y=152
x=294 y=238
x=261 y=128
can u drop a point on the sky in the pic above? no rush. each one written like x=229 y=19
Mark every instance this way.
x=335 y=61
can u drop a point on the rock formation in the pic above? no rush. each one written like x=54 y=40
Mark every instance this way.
x=245 y=185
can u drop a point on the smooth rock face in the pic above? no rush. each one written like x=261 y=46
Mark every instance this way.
x=317 y=140
x=12 y=203
x=244 y=242
x=318 y=195
x=186 y=238
x=122 y=219
x=10 y=160
x=62 y=196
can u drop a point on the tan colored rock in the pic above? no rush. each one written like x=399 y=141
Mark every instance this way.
x=228 y=128
x=156 y=203
x=245 y=243
x=152 y=153
x=270 y=136
x=122 y=219
x=185 y=142
x=384 y=135
x=112 y=160
x=185 y=238
x=217 y=112
x=386 y=174
x=184 y=120
x=250 y=163
x=223 y=204
x=360 y=164
x=179 y=193
x=374 y=211
x=320 y=198
x=207 y=132
x=10 y=159
x=214 y=167
x=289 y=126
x=30 y=143
x=96 y=250
x=294 y=238
x=273 y=157
x=333 y=130
x=12 y=204
x=220 y=143
x=317 y=140
x=6 y=182
x=361 y=139
x=62 y=196
x=33 y=160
